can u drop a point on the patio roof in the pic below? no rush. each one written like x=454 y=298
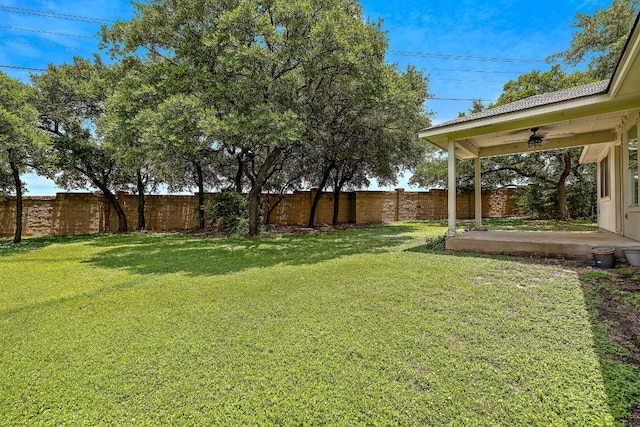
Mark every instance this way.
x=591 y=116
x=570 y=94
x=579 y=116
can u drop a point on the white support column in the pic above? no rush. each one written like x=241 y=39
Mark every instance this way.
x=451 y=157
x=478 y=193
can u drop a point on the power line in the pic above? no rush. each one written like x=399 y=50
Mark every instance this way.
x=465 y=57
x=461 y=99
x=457 y=70
x=465 y=80
x=53 y=15
x=48 y=32
x=56 y=46
x=15 y=67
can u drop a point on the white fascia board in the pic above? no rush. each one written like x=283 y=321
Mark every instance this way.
x=530 y=116
x=626 y=65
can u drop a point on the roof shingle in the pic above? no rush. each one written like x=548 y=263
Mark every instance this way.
x=577 y=92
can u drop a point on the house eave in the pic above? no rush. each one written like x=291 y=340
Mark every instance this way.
x=492 y=127
x=524 y=118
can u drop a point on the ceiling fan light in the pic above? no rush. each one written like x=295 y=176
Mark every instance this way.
x=535 y=141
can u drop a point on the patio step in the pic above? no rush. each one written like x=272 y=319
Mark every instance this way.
x=538 y=243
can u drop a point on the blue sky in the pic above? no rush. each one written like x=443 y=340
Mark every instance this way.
x=468 y=48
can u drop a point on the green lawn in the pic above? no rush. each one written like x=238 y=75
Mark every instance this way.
x=360 y=327
x=528 y=224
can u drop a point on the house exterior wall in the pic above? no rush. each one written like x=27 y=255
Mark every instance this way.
x=631 y=207
x=608 y=205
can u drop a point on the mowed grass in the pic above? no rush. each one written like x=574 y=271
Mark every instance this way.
x=359 y=327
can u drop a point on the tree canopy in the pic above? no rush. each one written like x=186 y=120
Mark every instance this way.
x=243 y=95
x=246 y=85
x=22 y=144
x=600 y=38
x=70 y=101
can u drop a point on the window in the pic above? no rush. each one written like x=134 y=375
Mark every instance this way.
x=632 y=138
x=604 y=177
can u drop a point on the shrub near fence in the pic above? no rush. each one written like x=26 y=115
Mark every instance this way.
x=75 y=213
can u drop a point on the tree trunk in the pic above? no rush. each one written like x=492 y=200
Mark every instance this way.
x=238 y=178
x=316 y=199
x=122 y=218
x=17 y=237
x=258 y=181
x=200 y=179
x=141 y=201
x=336 y=205
x=337 y=189
x=314 y=207
x=254 y=209
x=563 y=202
x=271 y=208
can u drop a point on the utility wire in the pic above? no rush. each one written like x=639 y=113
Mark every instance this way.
x=48 y=32
x=15 y=67
x=441 y=99
x=465 y=57
x=56 y=46
x=461 y=99
x=457 y=70
x=53 y=15
x=465 y=80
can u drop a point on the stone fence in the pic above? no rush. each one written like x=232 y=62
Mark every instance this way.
x=75 y=213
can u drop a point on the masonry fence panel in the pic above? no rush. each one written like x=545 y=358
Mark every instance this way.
x=75 y=213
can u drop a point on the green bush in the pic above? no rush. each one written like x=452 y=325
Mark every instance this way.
x=537 y=200
x=436 y=243
x=228 y=212
x=583 y=201
x=540 y=200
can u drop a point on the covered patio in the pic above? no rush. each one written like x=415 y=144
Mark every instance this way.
x=602 y=117
x=574 y=245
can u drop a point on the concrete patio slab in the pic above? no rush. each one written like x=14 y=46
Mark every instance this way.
x=539 y=243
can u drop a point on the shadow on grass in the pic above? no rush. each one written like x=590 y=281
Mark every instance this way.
x=615 y=324
x=612 y=301
x=423 y=249
x=28 y=244
x=160 y=254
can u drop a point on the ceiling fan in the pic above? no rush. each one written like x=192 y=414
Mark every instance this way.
x=535 y=141
x=537 y=138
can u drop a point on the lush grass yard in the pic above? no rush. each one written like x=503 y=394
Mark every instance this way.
x=528 y=224
x=361 y=327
